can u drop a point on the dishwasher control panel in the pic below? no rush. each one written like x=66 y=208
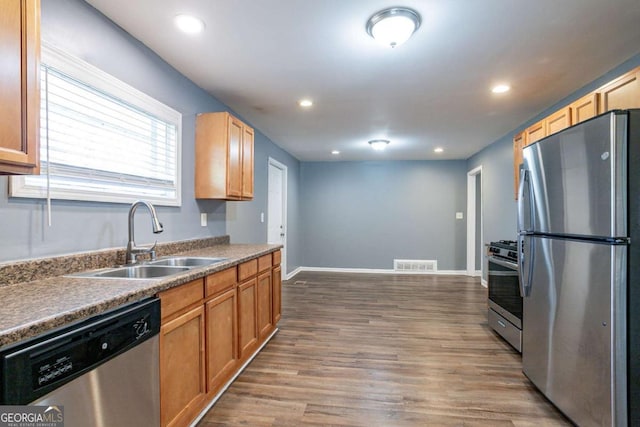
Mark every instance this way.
x=38 y=366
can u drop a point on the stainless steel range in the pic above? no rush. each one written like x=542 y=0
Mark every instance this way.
x=505 y=300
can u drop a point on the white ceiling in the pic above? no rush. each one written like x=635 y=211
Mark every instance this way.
x=261 y=57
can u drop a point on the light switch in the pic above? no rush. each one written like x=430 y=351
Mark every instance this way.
x=203 y=219
x=261 y=216
x=459 y=215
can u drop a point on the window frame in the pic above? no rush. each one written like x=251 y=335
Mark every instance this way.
x=102 y=81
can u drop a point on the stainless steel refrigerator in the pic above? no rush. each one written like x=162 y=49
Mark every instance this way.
x=578 y=239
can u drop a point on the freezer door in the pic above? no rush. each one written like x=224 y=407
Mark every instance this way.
x=572 y=341
x=577 y=180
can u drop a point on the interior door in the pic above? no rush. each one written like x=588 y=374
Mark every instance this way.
x=276 y=219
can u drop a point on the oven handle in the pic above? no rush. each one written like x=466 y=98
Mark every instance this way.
x=503 y=263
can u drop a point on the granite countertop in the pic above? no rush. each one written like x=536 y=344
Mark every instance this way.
x=30 y=308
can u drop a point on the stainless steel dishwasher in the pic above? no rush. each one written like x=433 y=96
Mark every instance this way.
x=103 y=371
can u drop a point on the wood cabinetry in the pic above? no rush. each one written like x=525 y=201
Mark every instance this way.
x=518 y=145
x=584 y=108
x=222 y=328
x=210 y=327
x=621 y=93
x=265 y=298
x=276 y=277
x=535 y=132
x=558 y=121
x=19 y=86
x=182 y=354
x=224 y=157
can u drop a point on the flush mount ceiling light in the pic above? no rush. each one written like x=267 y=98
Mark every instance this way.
x=335 y=152
x=189 y=24
x=392 y=27
x=379 y=144
x=306 y=103
x=500 y=88
x=438 y=150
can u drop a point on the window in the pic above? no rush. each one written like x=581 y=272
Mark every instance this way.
x=101 y=140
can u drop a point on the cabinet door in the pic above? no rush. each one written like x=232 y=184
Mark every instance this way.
x=265 y=305
x=222 y=345
x=19 y=86
x=518 y=145
x=622 y=93
x=182 y=368
x=234 y=158
x=247 y=319
x=247 y=163
x=276 y=279
x=584 y=108
x=535 y=132
x=558 y=121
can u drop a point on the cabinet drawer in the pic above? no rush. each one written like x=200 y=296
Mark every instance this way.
x=220 y=281
x=175 y=299
x=277 y=257
x=247 y=269
x=264 y=262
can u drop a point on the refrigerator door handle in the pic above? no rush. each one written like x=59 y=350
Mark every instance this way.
x=524 y=181
x=525 y=279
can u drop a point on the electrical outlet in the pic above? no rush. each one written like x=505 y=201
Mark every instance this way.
x=203 y=219
x=459 y=215
x=261 y=216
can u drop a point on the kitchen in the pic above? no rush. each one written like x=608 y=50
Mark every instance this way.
x=316 y=238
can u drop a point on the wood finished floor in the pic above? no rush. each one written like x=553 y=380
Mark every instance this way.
x=383 y=350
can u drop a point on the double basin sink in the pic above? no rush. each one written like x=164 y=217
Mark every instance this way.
x=151 y=270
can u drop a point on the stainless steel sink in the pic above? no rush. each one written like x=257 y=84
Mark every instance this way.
x=133 y=272
x=151 y=270
x=187 y=261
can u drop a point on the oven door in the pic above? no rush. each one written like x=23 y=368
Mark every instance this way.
x=504 y=290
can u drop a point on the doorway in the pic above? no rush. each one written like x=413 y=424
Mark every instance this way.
x=475 y=264
x=277 y=208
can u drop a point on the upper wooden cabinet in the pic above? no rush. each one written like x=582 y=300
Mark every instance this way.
x=621 y=93
x=584 y=108
x=224 y=157
x=518 y=145
x=535 y=132
x=19 y=86
x=558 y=121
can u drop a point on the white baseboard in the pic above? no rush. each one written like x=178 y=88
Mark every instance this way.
x=374 y=271
x=484 y=283
x=293 y=273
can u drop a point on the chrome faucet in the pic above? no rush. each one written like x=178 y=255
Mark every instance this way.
x=132 y=250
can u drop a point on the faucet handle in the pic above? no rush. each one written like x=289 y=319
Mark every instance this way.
x=152 y=251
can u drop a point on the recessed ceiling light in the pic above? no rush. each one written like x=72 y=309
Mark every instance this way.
x=379 y=144
x=438 y=150
x=306 y=103
x=189 y=24
x=392 y=27
x=500 y=88
x=335 y=152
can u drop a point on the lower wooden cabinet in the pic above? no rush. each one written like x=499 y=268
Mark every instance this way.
x=182 y=368
x=247 y=319
x=265 y=307
x=222 y=342
x=277 y=294
x=210 y=327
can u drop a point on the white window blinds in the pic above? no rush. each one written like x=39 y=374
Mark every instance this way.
x=102 y=140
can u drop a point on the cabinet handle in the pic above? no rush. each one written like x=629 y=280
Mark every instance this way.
x=501 y=323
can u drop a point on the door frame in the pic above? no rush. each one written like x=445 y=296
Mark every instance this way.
x=472 y=176
x=276 y=164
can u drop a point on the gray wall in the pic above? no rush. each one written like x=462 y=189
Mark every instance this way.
x=79 y=29
x=365 y=214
